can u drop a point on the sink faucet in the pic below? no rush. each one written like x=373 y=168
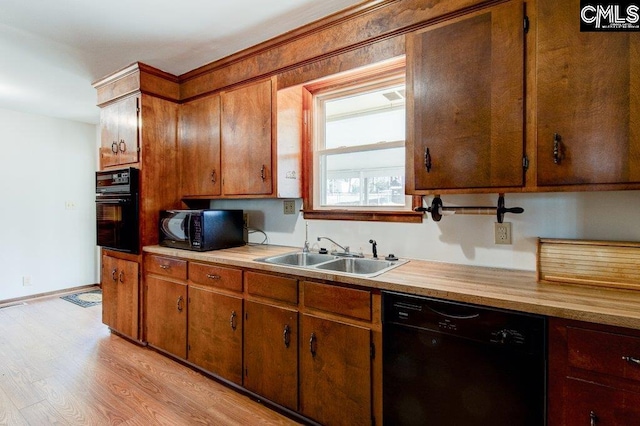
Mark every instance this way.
x=305 y=249
x=345 y=252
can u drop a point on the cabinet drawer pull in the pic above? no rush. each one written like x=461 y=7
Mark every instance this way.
x=165 y=266
x=593 y=418
x=631 y=360
x=427 y=160
x=213 y=276
x=557 y=149
x=179 y=303
x=286 y=335
x=263 y=174
x=213 y=176
x=122 y=145
x=114 y=147
x=232 y=321
x=313 y=344
x=121 y=277
x=114 y=272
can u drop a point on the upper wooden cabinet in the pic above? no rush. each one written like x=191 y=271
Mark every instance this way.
x=199 y=150
x=588 y=106
x=465 y=95
x=119 y=132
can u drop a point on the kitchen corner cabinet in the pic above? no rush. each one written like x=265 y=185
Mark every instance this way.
x=465 y=80
x=594 y=374
x=271 y=338
x=336 y=366
x=119 y=279
x=119 y=142
x=588 y=106
x=199 y=149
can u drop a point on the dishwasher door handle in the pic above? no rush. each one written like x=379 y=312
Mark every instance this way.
x=454 y=316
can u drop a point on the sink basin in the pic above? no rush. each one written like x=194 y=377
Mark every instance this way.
x=298 y=259
x=362 y=267
x=359 y=266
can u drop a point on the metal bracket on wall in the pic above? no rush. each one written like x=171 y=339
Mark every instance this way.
x=437 y=209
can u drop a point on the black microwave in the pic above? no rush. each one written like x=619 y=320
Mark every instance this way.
x=201 y=230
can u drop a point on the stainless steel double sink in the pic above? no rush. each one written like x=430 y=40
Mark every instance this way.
x=358 y=266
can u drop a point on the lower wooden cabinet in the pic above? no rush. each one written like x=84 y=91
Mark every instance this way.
x=120 y=290
x=166 y=315
x=215 y=333
x=594 y=374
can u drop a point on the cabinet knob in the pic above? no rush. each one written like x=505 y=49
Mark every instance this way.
x=122 y=145
x=114 y=147
x=427 y=160
x=213 y=176
x=286 y=335
x=165 y=266
x=114 y=274
x=179 y=303
x=213 y=276
x=232 y=321
x=263 y=173
x=557 y=149
x=121 y=277
x=313 y=344
x=631 y=360
x=593 y=419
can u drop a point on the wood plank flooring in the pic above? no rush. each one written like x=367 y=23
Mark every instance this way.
x=59 y=365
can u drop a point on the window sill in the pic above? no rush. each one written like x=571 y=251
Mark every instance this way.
x=406 y=217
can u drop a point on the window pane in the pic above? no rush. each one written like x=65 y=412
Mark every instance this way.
x=369 y=178
x=365 y=119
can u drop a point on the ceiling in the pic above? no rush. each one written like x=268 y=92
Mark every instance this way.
x=53 y=50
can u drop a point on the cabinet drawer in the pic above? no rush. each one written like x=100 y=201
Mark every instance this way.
x=338 y=300
x=608 y=353
x=273 y=287
x=166 y=266
x=215 y=276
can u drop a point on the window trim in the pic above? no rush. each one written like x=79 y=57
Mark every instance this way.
x=384 y=73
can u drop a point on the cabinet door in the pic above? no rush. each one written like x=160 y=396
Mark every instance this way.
x=199 y=147
x=128 y=291
x=465 y=103
x=335 y=372
x=589 y=403
x=166 y=315
x=215 y=333
x=271 y=353
x=109 y=282
x=588 y=107
x=109 y=116
x=128 y=143
x=246 y=140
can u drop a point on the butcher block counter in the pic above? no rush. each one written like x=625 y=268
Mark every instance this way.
x=495 y=287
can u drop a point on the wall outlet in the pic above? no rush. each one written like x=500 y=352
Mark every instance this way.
x=503 y=233
x=289 y=207
x=69 y=205
x=26 y=280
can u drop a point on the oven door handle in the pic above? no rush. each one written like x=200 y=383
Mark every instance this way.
x=114 y=201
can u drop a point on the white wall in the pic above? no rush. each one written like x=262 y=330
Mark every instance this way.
x=45 y=163
x=464 y=239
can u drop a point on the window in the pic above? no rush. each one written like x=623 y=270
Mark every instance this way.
x=357 y=148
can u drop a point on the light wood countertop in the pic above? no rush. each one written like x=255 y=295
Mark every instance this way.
x=501 y=288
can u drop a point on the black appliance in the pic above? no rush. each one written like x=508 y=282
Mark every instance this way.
x=201 y=230
x=453 y=364
x=117 y=211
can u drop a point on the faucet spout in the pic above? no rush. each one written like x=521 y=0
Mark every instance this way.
x=345 y=250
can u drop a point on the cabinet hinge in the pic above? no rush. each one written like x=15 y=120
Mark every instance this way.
x=526 y=24
x=525 y=163
x=373 y=350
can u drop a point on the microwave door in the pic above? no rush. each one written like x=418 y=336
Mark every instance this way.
x=177 y=227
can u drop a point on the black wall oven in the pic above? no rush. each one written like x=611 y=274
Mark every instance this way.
x=117 y=210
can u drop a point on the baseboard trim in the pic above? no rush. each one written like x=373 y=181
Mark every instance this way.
x=47 y=294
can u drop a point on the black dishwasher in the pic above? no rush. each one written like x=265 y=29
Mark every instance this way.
x=454 y=364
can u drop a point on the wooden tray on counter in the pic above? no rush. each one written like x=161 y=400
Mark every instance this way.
x=596 y=263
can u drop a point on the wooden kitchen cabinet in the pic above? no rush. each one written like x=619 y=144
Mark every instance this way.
x=166 y=306
x=594 y=374
x=119 y=132
x=199 y=147
x=336 y=367
x=247 y=139
x=588 y=106
x=465 y=84
x=271 y=338
x=215 y=330
x=119 y=280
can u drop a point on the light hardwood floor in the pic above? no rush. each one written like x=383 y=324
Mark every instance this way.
x=60 y=365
